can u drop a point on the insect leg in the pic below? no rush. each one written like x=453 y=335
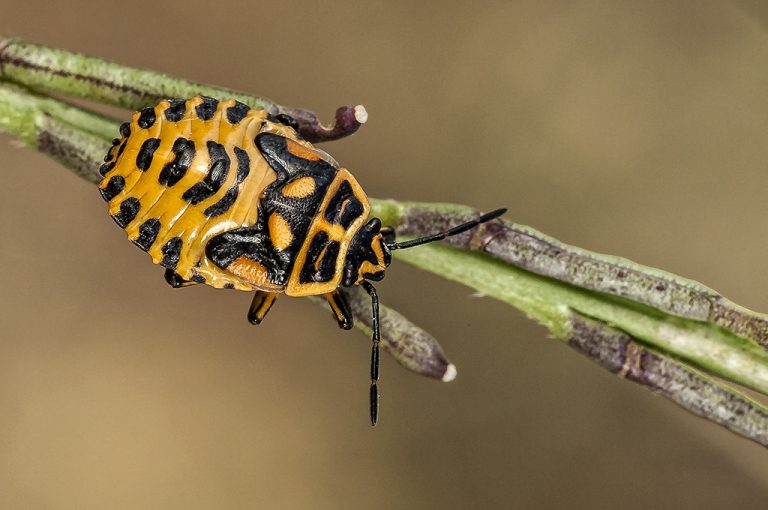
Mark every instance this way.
x=175 y=280
x=340 y=309
x=370 y=289
x=260 y=306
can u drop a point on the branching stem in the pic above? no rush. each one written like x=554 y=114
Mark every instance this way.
x=645 y=324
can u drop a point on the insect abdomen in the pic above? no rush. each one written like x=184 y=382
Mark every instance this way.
x=183 y=172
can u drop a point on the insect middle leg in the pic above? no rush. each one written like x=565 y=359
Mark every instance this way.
x=260 y=306
x=340 y=309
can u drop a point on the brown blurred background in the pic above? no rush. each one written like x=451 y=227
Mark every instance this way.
x=632 y=128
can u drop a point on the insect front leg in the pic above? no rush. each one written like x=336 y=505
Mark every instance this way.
x=260 y=306
x=376 y=339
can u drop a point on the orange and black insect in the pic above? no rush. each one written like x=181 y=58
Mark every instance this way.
x=232 y=197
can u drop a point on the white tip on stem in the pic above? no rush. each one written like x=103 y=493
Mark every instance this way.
x=450 y=373
x=360 y=114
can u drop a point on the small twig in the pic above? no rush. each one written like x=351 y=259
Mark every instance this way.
x=348 y=119
x=701 y=395
x=411 y=346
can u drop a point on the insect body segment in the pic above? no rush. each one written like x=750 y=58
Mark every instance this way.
x=229 y=196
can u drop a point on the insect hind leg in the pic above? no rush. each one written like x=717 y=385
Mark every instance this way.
x=176 y=281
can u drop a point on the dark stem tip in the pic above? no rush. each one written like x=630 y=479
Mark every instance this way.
x=348 y=120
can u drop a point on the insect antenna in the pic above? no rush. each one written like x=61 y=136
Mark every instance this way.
x=376 y=337
x=371 y=290
x=448 y=233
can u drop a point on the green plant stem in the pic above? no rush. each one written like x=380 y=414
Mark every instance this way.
x=53 y=128
x=21 y=110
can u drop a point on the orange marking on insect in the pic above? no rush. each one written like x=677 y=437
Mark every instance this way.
x=300 y=151
x=300 y=188
x=249 y=270
x=321 y=257
x=280 y=232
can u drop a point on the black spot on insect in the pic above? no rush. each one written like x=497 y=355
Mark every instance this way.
x=105 y=168
x=223 y=205
x=229 y=285
x=215 y=178
x=243 y=164
x=121 y=149
x=172 y=172
x=274 y=148
x=237 y=112
x=147 y=118
x=175 y=111
x=229 y=198
x=661 y=287
x=198 y=278
x=207 y=109
x=147 y=150
x=115 y=141
x=344 y=208
x=125 y=129
x=171 y=253
x=147 y=234
x=320 y=264
x=113 y=188
x=128 y=210
x=286 y=120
